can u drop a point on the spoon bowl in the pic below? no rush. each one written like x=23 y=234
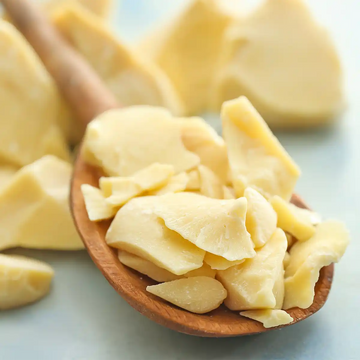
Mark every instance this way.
x=131 y=285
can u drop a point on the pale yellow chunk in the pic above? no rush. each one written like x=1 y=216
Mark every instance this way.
x=199 y=294
x=216 y=226
x=176 y=184
x=286 y=260
x=261 y=218
x=229 y=193
x=256 y=157
x=7 y=172
x=294 y=220
x=307 y=258
x=210 y=184
x=146 y=267
x=29 y=103
x=193 y=183
x=138 y=230
x=290 y=239
x=154 y=176
x=96 y=205
x=128 y=140
x=285 y=63
x=123 y=189
x=253 y=284
x=182 y=48
x=128 y=76
x=118 y=185
x=205 y=270
x=34 y=208
x=269 y=318
x=220 y=263
x=22 y=281
x=155 y=272
x=279 y=288
x=119 y=190
x=200 y=138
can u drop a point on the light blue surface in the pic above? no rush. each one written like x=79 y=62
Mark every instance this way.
x=84 y=319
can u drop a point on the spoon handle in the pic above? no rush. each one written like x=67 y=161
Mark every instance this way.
x=82 y=88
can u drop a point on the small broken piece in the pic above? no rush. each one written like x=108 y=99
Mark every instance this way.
x=261 y=218
x=146 y=267
x=177 y=183
x=22 y=280
x=199 y=294
x=219 y=263
x=210 y=184
x=200 y=138
x=96 y=205
x=156 y=273
x=308 y=257
x=269 y=318
x=294 y=220
x=256 y=157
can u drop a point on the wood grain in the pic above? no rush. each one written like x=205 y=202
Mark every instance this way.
x=132 y=285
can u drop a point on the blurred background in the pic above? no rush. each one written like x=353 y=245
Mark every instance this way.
x=83 y=317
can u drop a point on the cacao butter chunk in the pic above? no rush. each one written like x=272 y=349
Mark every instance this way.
x=96 y=205
x=286 y=260
x=279 y=288
x=216 y=226
x=199 y=294
x=7 y=172
x=154 y=176
x=229 y=193
x=326 y=246
x=261 y=218
x=177 y=183
x=29 y=104
x=146 y=267
x=156 y=273
x=205 y=270
x=220 y=263
x=285 y=63
x=251 y=285
x=125 y=141
x=187 y=48
x=138 y=230
x=210 y=184
x=119 y=190
x=294 y=220
x=124 y=190
x=256 y=157
x=193 y=183
x=34 y=208
x=22 y=281
x=200 y=138
x=269 y=318
x=132 y=79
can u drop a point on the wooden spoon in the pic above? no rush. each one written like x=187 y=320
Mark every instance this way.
x=89 y=97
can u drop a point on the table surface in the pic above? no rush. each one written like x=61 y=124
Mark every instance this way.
x=84 y=318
